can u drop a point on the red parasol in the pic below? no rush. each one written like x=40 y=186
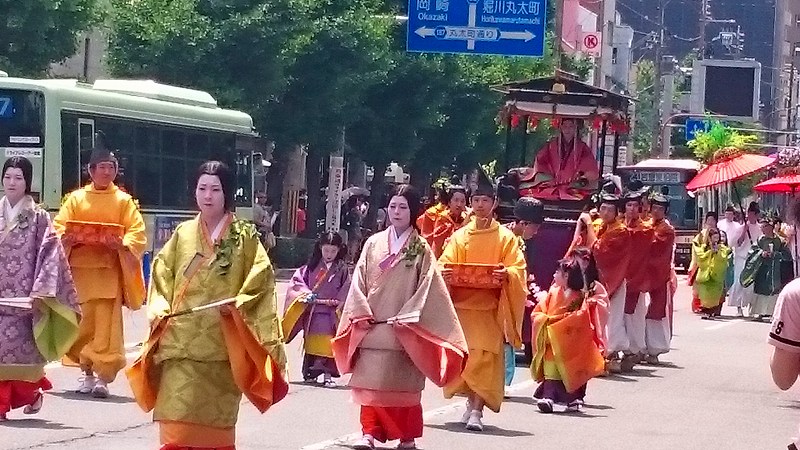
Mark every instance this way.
x=729 y=169
x=786 y=183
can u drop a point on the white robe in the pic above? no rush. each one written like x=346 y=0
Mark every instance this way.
x=740 y=296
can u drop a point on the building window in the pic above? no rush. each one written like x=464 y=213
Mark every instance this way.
x=614 y=52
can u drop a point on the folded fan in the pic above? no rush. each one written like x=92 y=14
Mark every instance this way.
x=184 y=312
x=412 y=317
x=17 y=302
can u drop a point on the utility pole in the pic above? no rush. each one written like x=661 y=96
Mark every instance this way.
x=336 y=185
x=705 y=14
x=668 y=70
x=659 y=47
x=559 y=34
x=791 y=115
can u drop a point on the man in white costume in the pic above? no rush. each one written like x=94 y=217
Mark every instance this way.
x=741 y=241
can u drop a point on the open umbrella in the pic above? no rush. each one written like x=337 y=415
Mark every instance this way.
x=354 y=190
x=785 y=184
x=730 y=164
x=728 y=169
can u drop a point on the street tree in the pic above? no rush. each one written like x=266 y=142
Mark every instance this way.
x=37 y=33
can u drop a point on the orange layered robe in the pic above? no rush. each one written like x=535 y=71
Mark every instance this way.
x=558 y=172
x=488 y=317
x=105 y=278
x=612 y=251
x=427 y=221
x=443 y=228
x=568 y=334
x=636 y=275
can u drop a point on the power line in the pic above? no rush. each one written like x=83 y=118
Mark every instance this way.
x=660 y=26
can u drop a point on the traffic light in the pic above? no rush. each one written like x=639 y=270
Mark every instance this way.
x=707 y=9
x=739 y=38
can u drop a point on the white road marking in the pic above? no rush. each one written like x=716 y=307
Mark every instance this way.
x=427 y=415
x=132 y=351
x=724 y=324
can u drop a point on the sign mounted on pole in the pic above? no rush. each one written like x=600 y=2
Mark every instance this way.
x=592 y=43
x=480 y=27
x=693 y=126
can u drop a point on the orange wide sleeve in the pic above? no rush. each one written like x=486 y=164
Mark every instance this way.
x=611 y=251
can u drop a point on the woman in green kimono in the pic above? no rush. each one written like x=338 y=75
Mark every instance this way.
x=763 y=269
x=712 y=258
x=215 y=330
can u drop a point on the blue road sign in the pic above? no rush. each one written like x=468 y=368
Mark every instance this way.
x=488 y=27
x=693 y=126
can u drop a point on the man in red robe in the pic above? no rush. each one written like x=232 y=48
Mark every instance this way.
x=660 y=281
x=611 y=247
x=636 y=275
x=565 y=167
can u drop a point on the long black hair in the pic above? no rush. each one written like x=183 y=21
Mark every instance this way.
x=414 y=201
x=223 y=172
x=23 y=164
x=327 y=238
x=590 y=274
x=575 y=279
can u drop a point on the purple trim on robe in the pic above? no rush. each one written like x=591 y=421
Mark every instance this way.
x=324 y=318
x=31 y=260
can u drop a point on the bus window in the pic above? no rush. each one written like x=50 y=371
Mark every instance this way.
x=22 y=118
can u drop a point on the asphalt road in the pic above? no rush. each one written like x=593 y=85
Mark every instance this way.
x=713 y=391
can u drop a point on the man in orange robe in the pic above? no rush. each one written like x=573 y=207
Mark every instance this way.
x=427 y=221
x=489 y=317
x=611 y=247
x=449 y=220
x=107 y=276
x=636 y=276
x=660 y=275
x=565 y=164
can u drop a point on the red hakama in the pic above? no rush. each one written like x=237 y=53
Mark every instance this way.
x=16 y=394
x=392 y=423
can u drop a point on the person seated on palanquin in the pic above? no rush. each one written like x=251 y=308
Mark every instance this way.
x=565 y=167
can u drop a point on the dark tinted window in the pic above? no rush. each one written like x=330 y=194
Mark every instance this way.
x=21 y=117
x=157 y=162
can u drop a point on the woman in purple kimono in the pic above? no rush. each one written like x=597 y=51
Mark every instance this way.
x=313 y=303
x=38 y=303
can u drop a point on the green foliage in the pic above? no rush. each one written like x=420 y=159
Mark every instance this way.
x=707 y=144
x=646 y=108
x=36 y=33
x=308 y=69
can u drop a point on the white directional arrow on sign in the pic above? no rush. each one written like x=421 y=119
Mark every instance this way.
x=519 y=35
x=424 y=32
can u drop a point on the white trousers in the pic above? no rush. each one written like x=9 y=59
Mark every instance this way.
x=658 y=333
x=635 y=326
x=618 y=340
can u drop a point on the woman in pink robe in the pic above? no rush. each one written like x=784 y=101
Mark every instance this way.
x=565 y=166
x=398 y=328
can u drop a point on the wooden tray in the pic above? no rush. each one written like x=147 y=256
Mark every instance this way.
x=475 y=276
x=93 y=233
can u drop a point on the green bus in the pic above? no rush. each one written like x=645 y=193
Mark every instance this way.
x=160 y=134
